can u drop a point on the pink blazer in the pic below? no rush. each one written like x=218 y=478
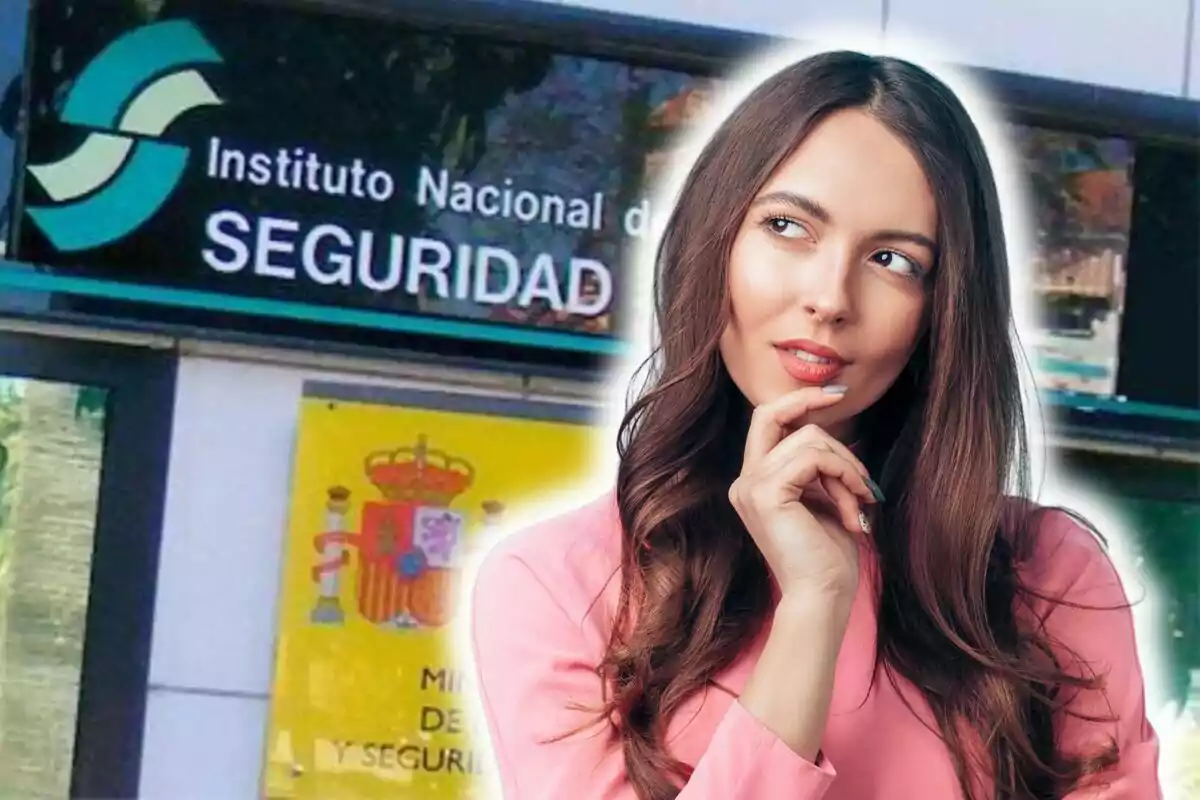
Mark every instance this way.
x=537 y=635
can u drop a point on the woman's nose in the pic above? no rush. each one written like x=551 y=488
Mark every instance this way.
x=826 y=291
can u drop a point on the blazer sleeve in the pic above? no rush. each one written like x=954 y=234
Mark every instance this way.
x=533 y=665
x=1098 y=639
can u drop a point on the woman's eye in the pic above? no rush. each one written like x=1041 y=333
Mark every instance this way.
x=787 y=228
x=890 y=259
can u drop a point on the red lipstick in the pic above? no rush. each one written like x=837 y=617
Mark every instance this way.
x=810 y=362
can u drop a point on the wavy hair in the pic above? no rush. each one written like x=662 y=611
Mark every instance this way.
x=945 y=442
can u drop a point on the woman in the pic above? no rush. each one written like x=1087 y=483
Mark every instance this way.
x=810 y=582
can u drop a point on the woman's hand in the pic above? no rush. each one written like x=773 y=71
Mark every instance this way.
x=800 y=494
x=789 y=476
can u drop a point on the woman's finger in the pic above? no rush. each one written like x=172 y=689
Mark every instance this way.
x=792 y=456
x=771 y=421
x=840 y=448
x=820 y=434
x=847 y=504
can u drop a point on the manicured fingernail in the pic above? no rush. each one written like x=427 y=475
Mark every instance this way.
x=875 y=490
x=864 y=523
x=833 y=388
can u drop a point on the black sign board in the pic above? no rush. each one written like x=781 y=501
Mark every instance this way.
x=290 y=162
x=464 y=178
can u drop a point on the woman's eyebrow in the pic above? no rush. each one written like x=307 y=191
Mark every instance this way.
x=799 y=201
x=906 y=236
x=822 y=215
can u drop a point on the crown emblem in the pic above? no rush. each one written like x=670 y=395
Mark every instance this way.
x=420 y=474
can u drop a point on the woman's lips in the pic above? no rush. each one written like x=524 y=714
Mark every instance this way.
x=809 y=362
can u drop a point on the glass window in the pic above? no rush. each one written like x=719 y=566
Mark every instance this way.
x=13 y=14
x=51 y=443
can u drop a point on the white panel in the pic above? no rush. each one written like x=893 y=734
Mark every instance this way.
x=224 y=525
x=755 y=16
x=1194 y=67
x=200 y=747
x=1120 y=43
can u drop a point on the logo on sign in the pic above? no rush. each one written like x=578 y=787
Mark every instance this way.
x=122 y=175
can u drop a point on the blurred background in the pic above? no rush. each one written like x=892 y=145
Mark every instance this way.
x=281 y=279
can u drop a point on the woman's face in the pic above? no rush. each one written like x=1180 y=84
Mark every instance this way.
x=828 y=271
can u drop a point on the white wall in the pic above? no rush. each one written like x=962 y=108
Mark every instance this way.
x=214 y=629
x=755 y=16
x=1129 y=44
x=1109 y=42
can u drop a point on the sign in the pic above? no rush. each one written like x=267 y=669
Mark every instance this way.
x=252 y=165
x=1082 y=192
x=289 y=161
x=389 y=490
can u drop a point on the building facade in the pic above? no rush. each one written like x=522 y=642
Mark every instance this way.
x=416 y=218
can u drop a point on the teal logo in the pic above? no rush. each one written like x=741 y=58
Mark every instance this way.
x=127 y=96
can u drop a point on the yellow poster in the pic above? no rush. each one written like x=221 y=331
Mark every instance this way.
x=389 y=489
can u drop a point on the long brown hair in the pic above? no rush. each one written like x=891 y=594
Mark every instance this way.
x=946 y=442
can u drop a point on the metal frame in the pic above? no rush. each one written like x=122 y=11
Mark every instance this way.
x=124 y=571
